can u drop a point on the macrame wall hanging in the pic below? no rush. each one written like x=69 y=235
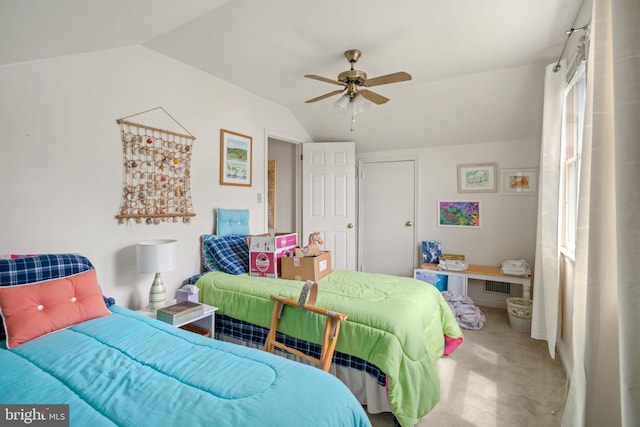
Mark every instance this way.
x=157 y=169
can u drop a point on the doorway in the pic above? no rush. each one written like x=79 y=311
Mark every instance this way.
x=289 y=214
x=387 y=212
x=282 y=192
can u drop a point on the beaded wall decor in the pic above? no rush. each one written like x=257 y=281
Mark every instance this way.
x=157 y=169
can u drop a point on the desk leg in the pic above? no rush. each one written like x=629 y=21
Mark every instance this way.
x=526 y=289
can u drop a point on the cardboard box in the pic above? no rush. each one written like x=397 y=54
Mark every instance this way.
x=306 y=268
x=265 y=253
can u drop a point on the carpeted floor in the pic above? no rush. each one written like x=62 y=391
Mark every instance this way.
x=498 y=377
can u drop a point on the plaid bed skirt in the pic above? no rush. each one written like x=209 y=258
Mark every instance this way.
x=254 y=334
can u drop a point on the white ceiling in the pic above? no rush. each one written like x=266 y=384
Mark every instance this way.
x=267 y=46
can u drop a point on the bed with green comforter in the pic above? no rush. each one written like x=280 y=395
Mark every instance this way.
x=399 y=324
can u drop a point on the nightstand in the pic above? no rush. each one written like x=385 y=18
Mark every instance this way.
x=206 y=320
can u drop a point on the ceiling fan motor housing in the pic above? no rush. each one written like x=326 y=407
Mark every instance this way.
x=353 y=76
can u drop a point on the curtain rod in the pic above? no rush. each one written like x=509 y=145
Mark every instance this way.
x=569 y=33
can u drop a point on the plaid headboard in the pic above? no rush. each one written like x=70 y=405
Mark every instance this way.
x=35 y=268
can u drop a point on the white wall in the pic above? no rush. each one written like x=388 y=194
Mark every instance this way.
x=508 y=223
x=62 y=157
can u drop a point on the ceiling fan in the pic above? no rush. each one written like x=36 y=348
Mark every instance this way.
x=354 y=80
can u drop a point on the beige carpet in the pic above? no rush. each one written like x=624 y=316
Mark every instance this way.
x=498 y=377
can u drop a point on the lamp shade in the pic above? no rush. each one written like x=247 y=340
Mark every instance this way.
x=156 y=256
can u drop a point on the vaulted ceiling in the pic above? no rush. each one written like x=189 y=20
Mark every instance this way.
x=472 y=62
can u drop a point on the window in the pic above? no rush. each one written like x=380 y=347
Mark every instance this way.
x=573 y=124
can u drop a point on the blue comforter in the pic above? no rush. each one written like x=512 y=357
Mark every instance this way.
x=130 y=370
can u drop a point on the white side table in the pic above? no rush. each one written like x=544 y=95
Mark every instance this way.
x=206 y=320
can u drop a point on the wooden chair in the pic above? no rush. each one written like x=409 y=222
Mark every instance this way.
x=331 y=327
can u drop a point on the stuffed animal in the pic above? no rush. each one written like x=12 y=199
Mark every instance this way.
x=312 y=248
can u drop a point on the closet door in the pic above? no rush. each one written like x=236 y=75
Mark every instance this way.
x=387 y=212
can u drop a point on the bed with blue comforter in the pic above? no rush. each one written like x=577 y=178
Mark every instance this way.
x=126 y=369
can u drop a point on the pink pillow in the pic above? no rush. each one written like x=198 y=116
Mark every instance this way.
x=36 y=309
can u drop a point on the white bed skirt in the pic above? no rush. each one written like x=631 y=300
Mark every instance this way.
x=363 y=386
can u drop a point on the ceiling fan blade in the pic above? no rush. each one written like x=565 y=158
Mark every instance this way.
x=389 y=78
x=324 y=79
x=373 y=97
x=326 y=95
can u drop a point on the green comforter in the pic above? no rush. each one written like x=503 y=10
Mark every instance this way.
x=395 y=323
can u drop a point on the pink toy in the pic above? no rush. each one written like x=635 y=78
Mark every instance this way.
x=312 y=248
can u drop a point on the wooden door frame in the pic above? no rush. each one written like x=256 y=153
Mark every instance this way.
x=383 y=158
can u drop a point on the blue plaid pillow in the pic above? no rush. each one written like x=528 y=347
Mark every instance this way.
x=36 y=268
x=230 y=252
x=206 y=256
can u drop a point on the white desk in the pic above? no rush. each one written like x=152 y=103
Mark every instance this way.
x=485 y=272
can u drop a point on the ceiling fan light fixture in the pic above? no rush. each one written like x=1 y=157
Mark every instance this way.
x=342 y=104
x=351 y=106
x=360 y=104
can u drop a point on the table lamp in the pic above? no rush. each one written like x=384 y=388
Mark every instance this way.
x=156 y=256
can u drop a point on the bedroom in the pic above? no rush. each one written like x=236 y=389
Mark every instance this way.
x=63 y=157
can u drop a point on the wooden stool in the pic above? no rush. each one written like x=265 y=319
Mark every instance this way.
x=331 y=327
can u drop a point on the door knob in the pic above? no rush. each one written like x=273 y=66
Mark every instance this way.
x=408 y=223
x=350 y=225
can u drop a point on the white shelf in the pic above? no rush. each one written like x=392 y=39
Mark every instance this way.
x=206 y=320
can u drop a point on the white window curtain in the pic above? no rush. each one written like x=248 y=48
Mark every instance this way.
x=605 y=380
x=544 y=322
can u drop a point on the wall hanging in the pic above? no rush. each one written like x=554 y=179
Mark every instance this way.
x=157 y=168
x=519 y=181
x=478 y=178
x=453 y=213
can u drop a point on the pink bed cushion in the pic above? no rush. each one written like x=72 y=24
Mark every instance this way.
x=36 y=309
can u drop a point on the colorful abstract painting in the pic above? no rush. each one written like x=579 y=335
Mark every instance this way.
x=458 y=214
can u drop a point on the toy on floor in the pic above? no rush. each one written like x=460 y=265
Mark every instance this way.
x=312 y=248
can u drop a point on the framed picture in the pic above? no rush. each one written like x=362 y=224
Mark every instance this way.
x=478 y=178
x=519 y=181
x=453 y=213
x=235 y=158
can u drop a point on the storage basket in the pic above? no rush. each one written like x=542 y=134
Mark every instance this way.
x=519 y=310
x=196 y=329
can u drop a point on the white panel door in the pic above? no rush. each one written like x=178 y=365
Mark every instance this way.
x=387 y=217
x=329 y=199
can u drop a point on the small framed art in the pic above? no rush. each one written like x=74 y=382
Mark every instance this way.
x=458 y=214
x=477 y=178
x=235 y=158
x=519 y=181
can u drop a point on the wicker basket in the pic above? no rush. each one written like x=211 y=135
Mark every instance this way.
x=519 y=310
x=196 y=329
